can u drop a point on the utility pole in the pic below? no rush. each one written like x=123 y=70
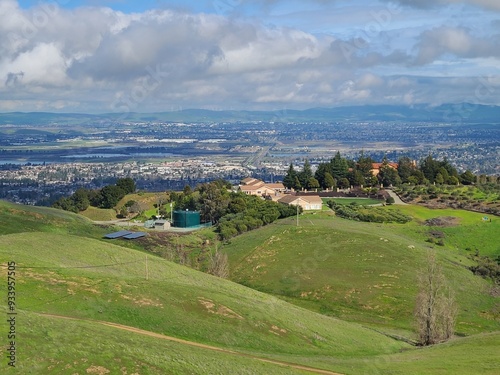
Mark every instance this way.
x=298 y=200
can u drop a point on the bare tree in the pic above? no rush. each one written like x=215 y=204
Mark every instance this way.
x=435 y=308
x=219 y=265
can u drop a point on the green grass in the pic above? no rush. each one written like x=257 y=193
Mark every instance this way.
x=355 y=271
x=472 y=232
x=99 y=214
x=18 y=219
x=470 y=355
x=45 y=347
x=54 y=277
x=358 y=272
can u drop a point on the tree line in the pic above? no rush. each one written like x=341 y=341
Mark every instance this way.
x=342 y=173
x=107 y=197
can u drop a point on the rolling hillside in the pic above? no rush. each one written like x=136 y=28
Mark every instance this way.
x=133 y=313
x=367 y=272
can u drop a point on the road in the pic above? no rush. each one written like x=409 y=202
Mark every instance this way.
x=397 y=200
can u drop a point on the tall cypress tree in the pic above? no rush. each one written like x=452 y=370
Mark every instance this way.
x=339 y=167
x=289 y=180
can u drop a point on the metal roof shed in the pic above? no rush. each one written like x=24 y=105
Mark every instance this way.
x=121 y=233
x=135 y=235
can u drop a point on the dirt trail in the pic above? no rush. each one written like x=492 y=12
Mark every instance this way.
x=195 y=344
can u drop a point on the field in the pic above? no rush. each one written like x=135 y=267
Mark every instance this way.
x=99 y=214
x=175 y=320
x=94 y=348
x=147 y=202
x=366 y=272
x=484 y=197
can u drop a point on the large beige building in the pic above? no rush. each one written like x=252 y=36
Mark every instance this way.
x=253 y=186
x=307 y=202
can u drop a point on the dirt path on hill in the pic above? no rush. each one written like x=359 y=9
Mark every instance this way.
x=195 y=344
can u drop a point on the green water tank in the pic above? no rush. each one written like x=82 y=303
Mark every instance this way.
x=186 y=219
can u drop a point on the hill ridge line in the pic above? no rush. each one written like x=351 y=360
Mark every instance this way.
x=192 y=343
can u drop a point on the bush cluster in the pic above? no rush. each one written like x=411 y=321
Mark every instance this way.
x=486 y=267
x=368 y=214
x=254 y=214
x=107 y=197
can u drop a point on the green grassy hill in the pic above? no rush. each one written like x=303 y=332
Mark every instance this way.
x=64 y=268
x=366 y=272
x=51 y=345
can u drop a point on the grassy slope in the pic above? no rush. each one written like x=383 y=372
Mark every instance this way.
x=177 y=301
x=91 y=346
x=147 y=200
x=472 y=233
x=174 y=300
x=45 y=347
x=18 y=219
x=360 y=272
x=99 y=214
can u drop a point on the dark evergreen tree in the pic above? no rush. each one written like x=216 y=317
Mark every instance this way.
x=306 y=174
x=329 y=181
x=126 y=184
x=339 y=167
x=289 y=180
x=110 y=196
x=320 y=174
x=467 y=178
x=406 y=167
x=388 y=176
x=365 y=166
x=430 y=168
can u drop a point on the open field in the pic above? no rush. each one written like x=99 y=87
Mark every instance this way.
x=94 y=348
x=65 y=268
x=146 y=200
x=361 y=272
x=471 y=232
x=99 y=214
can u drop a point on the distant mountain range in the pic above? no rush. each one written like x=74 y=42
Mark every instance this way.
x=446 y=113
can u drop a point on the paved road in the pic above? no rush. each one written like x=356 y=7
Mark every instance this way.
x=195 y=344
x=397 y=200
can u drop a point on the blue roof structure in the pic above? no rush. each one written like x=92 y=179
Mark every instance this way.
x=118 y=234
x=134 y=235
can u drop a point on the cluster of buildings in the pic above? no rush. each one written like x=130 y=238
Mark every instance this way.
x=278 y=193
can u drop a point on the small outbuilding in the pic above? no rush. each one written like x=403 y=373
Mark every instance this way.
x=162 y=224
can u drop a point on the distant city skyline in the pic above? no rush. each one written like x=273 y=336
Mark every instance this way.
x=150 y=56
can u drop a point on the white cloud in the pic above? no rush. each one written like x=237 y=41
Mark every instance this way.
x=98 y=59
x=457 y=41
x=489 y=4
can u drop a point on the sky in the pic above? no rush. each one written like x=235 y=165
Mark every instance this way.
x=93 y=56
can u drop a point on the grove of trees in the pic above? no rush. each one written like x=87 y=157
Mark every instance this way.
x=342 y=173
x=107 y=197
